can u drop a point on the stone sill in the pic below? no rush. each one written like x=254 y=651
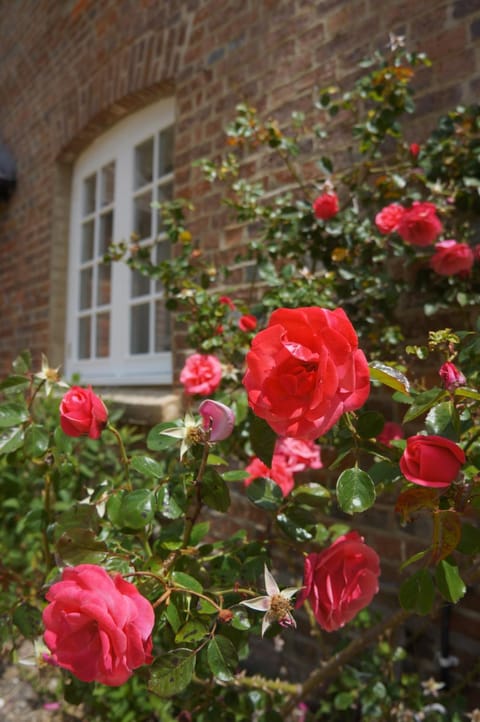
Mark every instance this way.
x=145 y=407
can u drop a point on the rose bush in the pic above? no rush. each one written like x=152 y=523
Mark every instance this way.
x=340 y=581
x=305 y=370
x=432 y=461
x=201 y=374
x=97 y=626
x=82 y=413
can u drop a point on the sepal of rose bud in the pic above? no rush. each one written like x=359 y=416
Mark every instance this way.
x=451 y=376
x=218 y=418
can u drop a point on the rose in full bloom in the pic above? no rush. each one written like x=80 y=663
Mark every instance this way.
x=82 y=413
x=390 y=432
x=305 y=370
x=420 y=224
x=431 y=461
x=451 y=376
x=452 y=258
x=388 y=218
x=247 y=323
x=201 y=374
x=98 y=626
x=326 y=206
x=289 y=456
x=340 y=581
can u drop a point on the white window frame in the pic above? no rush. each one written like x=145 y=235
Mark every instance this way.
x=115 y=145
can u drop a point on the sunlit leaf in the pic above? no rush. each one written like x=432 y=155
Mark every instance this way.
x=355 y=491
x=449 y=582
x=389 y=377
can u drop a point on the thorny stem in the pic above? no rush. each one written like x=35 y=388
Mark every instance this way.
x=48 y=503
x=173 y=589
x=123 y=455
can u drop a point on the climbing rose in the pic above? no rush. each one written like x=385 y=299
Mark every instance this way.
x=201 y=374
x=451 y=376
x=431 y=461
x=305 y=370
x=388 y=218
x=97 y=626
x=247 y=323
x=340 y=581
x=326 y=206
x=419 y=224
x=82 y=413
x=452 y=258
x=289 y=456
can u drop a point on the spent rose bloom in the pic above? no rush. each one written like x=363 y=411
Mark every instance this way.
x=452 y=258
x=431 y=461
x=218 y=418
x=420 y=224
x=201 y=374
x=275 y=604
x=390 y=432
x=305 y=370
x=326 y=206
x=82 y=413
x=340 y=580
x=98 y=626
x=247 y=323
x=451 y=376
x=388 y=218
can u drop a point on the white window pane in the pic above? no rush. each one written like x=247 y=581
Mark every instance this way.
x=105 y=232
x=85 y=300
x=163 y=335
x=139 y=328
x=165 y=151
x=89 y=193
x=104 y=281
x=162 y=253
x=103 y=335
x=107 y=184
x=143 y=164
x=84 y=337
x=140 y=285
x=88 y=235
x=142 y=217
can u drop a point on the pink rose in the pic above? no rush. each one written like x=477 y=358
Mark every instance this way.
x=297 y=454
x=278 y=473
x=201 y=374
x=305 y=370
x=98 y=626
x=340 y=581
x=419 y=224
x=388 y=218
x=82 y=413
x=431 y=461
x=247 y=323
x=452 y=258
x=326 y=206
x=451 y=376
x=390 y=432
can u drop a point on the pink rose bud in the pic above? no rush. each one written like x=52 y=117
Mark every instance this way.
x=326 y=206
x=451 y=376
x=82 y=413
x=247 y=323
x=217 y=417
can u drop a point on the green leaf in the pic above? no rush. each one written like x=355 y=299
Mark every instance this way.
x=193 y=631
x=384 y=472
x=355 y=491
x=370 y=424
x=23 y=362
x=235 y=475
x=443 y=420
x=417 y=593
x=28 y=620
x=215 y=492
x=263 y=439
x=137 y=509
x=12 y=414
x=265 y=493
x=222 y=658
x=297 y=523
x=423 y=403
x=147 y=466
x=13 y=381
x=157 y=440
x=449 y=582
x=470 y=540
x=79 y=546
x=468 y=393
x=36 y=441
x=389 y=377
x=180 y=579
x=172 y=672
x=11 y=440
x=78 y=516
x=310 y=494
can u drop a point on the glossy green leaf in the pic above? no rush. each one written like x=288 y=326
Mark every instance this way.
x=263 y=439
x=11 y=440
x=137 y=509
x=189 y=583
x=147 y=466
x=157 y=440
x=297 y=523
x=466 y=393
x=389 y=377
x=36 y=441
x=423 y=403
x=310 y=494
x=417 y=593
x=172 y=672
x=355 y=491
x=222 y=658
x=235 y=475
x=265 y=493
x=449 y=582
x=215 y=493
x=443 y=420
x=12 y=414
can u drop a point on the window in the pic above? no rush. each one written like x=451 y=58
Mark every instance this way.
x=118 y=330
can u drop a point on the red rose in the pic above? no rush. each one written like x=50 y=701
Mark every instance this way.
x=278 y=473
x=414 y=149
x=340 y=581
x=98 y=626
x=201 y=374
x=390 y=432
x=419 y=224
x=451 y=376
x=326 y=206
x=82 y=413
x=431 y=461
x=227 y=301
x=389 y=217
x=305 y=370
x=247 y=323
x=452 y=258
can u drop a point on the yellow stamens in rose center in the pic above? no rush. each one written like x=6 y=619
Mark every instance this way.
x=279 y=606
x=195 y=435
